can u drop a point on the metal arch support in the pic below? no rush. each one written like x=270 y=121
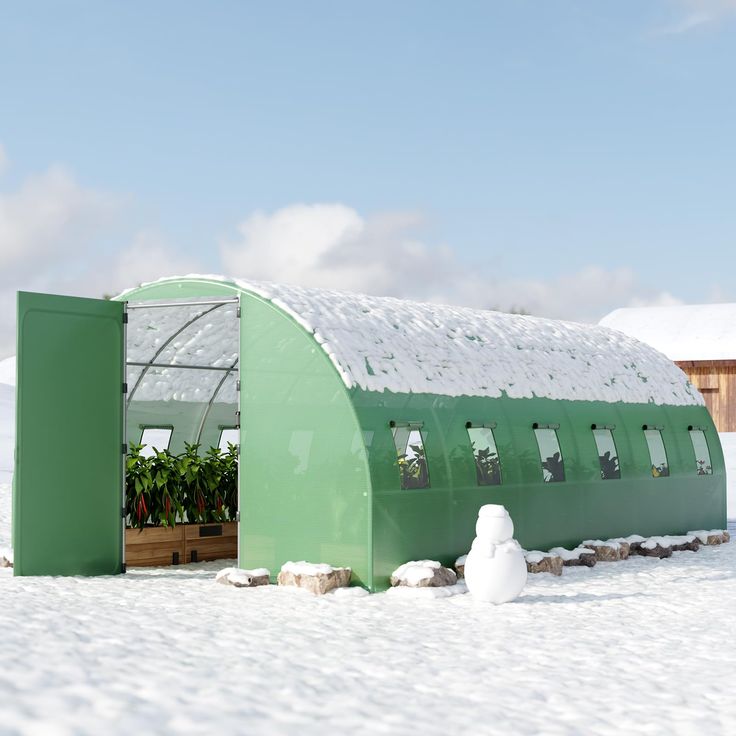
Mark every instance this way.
x=184 y=366
x=169 y=341
x=212 y=400
x=159 y=305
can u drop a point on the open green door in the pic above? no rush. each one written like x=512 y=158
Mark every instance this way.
x=68 y=494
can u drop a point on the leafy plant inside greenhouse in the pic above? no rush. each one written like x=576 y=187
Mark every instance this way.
x=413 y=468
x=554 y=468
x=487 y=466
x=166 y=489
x=609 y=466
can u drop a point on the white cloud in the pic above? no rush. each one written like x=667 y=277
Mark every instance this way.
x=696 y=13
x=333 y=246
x=147 y=258
x=52 y=228
x=49 y=220
x=56 y=235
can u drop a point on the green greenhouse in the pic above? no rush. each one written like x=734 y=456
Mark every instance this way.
x=370 y=430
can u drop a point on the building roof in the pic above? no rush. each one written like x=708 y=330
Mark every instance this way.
x=387 y=344
x=687 y=332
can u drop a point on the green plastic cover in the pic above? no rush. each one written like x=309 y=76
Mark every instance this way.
x=69 y=464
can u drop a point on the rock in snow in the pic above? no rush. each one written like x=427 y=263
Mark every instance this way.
x=607 y=551
x=495 y=569
x=460 y=565
x=316 y=578
x=685 y=543
x=713 y=536
x=578 y=557
x=654 y=547
x=633 y=541
x=543 y=562
x=243 y=578
x=423 y=574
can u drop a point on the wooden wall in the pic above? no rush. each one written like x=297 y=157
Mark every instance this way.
x=716 y=380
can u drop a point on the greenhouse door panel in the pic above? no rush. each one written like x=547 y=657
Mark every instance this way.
x=69 y=436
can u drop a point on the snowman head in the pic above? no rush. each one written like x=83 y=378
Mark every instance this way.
x=494 y=523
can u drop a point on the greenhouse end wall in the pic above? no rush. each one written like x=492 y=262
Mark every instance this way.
x=291 y=394
x=305 y=482
x=438 y=522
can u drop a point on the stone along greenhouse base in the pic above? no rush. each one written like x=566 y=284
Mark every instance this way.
x=158 y=545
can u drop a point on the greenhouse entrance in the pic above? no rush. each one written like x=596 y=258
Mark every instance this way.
x=183 y=430
x=96 y=379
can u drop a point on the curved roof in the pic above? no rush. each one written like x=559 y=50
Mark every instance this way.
x=686 y=332
x=387 y=344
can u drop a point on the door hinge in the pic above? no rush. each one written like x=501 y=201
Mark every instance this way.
x=125 y=318
x=237 y=385
x=237 y=313
x=125 y=388
x=237 y=516
x=123 y=512
x=125 y=448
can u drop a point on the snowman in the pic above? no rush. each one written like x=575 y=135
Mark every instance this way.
x=495 y=570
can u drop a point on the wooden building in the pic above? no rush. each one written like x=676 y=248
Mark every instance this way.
x=700 y=339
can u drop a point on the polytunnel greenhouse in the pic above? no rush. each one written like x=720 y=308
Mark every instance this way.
x=370 y=430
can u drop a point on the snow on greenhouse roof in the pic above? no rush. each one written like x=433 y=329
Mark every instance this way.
x=687 y=332
x=387 y=344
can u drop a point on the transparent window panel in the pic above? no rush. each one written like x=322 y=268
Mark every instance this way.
x=702 y=453
x=212 y=339
x=553 y=469
x=155 y=439
x=132 y=374
x=197 y=335
x=607 y=454
x=485 y=454
x=228 y=436
x=413 y=469
x=657 y=453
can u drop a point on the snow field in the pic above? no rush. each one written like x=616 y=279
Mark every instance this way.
x=642 y=646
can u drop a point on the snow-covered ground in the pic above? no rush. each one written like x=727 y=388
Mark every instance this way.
x=728 y=443
x=642 y=646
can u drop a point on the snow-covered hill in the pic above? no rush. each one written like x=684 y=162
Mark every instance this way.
x=7 y=371
x=7 y=431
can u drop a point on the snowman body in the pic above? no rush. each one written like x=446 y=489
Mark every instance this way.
x=495 y=569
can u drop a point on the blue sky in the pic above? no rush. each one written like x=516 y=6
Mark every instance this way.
x=563 y=156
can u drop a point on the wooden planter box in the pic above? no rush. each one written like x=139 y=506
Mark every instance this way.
x=156 y=545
